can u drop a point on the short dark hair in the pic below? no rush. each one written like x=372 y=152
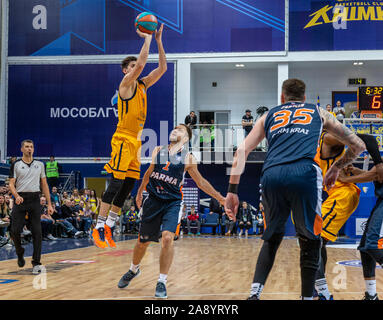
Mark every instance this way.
x=126 y=61
x=294 y=89
x=26 y=141
x=188 y=130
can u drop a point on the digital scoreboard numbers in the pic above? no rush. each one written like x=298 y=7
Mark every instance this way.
x=370 y=98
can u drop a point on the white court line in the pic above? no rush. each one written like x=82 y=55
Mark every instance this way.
x=220 y=294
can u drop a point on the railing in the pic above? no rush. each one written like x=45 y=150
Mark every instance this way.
x=71 y=181
x=227 y=137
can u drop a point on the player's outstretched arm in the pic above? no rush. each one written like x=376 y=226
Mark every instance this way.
x=344 y=134
x=361 y=177
x=145 y=179
x=132 y=76
x=256 y=135
x=157 y=73
x=202 y=183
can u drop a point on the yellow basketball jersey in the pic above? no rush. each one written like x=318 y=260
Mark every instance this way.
x=132 y=112
x=326 y=163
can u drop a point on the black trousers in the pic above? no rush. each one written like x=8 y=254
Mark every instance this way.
x=32 y=207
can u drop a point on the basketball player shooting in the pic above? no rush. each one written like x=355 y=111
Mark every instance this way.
x=125 y=163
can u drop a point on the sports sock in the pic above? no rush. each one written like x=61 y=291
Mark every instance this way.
x=322 y=288
x=112 y=217
x=371 y=287
x=100 y=222
x=256 y=289
x=134 y=267
x=163 y=278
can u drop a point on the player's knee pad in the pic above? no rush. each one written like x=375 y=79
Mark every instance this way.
x=368 y=264
x=123 y=192
x=112 y=190
x=377 y=254
x=310 y=252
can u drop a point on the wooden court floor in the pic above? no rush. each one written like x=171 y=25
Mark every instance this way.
x=204 y=268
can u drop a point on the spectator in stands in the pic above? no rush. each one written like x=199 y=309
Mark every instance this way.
x=76 y=196
x=244 y=219
x=184 y=219
x=94 y=203
x=259 y=220
x=132 y=217
x=205 y=136
x=247 y=122
x=12 y=160
x=191 y=121
x=85 y=217
x=64 y=196
x=193 y=219
x=69 y=219
x=339 y=111
x=4 y=220
x=52 y=172
x=9 y=201
x=329 y=109
x=230 y=224
x=212 y=134
x=216 y=207
x=55 y=197
x=47 y=221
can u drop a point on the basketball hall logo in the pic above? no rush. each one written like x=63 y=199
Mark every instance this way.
x=353 y=263
x=346 y=11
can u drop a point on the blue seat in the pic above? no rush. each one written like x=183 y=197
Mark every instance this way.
x=211 y=220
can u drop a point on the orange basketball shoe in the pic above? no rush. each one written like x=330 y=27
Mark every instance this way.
x=98 y=239
x=109 y=236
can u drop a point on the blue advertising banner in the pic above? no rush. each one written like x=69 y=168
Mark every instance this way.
x=84 y=27
x=335 y=25
x=71 y=110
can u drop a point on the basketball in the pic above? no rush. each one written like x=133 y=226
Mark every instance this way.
x=146 y=22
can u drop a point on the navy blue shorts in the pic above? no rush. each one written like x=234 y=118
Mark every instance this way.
x=159 y=215
x=293 y=188
x=373 y=233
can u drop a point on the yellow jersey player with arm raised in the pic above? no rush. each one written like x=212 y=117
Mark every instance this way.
x=124 y=163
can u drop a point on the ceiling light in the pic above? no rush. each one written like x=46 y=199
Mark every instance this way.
x=240 y=65
x=358 y=63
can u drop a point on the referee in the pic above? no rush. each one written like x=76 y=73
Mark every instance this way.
x=26 y=177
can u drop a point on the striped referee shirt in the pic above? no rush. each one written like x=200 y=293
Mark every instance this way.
x=27 y=175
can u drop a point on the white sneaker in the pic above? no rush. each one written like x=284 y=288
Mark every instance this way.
x=50 y=237
x=78 y=233
x=37 y=269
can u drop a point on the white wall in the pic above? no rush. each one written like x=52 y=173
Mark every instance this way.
x=323 y=78
x=237 y=90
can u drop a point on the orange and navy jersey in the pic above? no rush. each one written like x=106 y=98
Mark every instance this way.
x=326 y=163
x=167 y=177
x=292 y=131
x=132 y=112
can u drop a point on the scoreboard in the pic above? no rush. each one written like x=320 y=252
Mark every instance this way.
x=370 y=98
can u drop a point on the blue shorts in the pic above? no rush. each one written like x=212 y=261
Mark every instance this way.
x=293 y=188
x=158 y=216
x=373 y=233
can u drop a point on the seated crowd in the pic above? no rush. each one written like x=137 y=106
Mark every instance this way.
x=75 y=213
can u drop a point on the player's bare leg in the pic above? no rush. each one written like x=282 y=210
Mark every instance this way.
x=166 y=259
x=134 y=271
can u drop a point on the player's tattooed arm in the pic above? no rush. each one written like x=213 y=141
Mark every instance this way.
x=361 y=176
x=346 y=136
